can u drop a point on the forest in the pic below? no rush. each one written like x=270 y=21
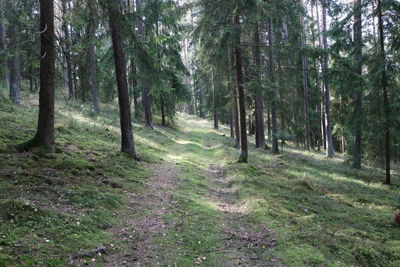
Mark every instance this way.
x=200 y=133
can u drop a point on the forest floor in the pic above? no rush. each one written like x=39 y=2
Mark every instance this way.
x=187 y=203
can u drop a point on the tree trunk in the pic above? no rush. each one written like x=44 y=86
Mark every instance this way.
x=15 y=63
x=3 y=36
x=15 y=68
x=357 y=26
x=258 y=100
x=162 y=112
x=201 y=100
x=67 y=50
x=127 y=143
x=274 y=126
x=328 y=130
x=235 y=104
x=146 y=98
x=304 y=60
x=240 y=95
x=92 y=57
x=215 y=112
x=250 y=125
x=385 y=94
x=231 y=127
x=45 y=131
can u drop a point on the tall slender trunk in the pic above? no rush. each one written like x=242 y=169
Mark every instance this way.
x=146 y=98
x=258 y=99
x=358 y=92
x=231 y=127
x=215 y=110
x=92 y=57
x=234 y=104
x=269 y=128
x=321 y=106
x=328 y=131
x=385 y=93
x=274 y=124
x=127 y=143
x=67 y=50
x=240 y=95
x=250 y=125
x=3 y=35
x=45 y=131
x=162 y=112
x=201 y=100
x=15 y=68
x=15 y=63
x=307 y=130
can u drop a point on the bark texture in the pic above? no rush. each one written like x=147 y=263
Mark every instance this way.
x=92 y=57
x=357 y=27
x=45 y=131
x=127 y=143
x=146 y=98
x=327 y=101
x=258 y=99
x=240 y=96
x=385 y=94
x=274 y=123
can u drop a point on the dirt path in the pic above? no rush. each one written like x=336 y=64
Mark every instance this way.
x=243 y=240
x=163 y=227
x=145 y=220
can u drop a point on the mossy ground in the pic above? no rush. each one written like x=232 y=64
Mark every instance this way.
x=51 y=205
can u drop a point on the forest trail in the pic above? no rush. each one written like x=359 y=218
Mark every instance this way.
x=163 y=224
x=144 y=218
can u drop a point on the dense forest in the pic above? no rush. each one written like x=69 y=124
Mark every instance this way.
x=200 y=132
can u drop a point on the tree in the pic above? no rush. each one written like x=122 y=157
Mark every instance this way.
x=357 y=28
x=146 y=97
x=271 y=71
x=240 y=92
x=386 y=107
x=3 y=36
x=127 y=143
x=214 y=99
x=328 y=129
x=15 y=61
x=258 y=99
x=92 y=55
x=304 y=62
x=67 y=50
x=45 y=131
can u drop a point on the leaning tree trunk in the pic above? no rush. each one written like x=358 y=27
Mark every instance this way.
x=274 y=126
x=45 y=131
x=92 y=57
x=258 y=101
x=385 y=94
x=328 y=130
x=240 y=96
x=146 y=98
x=127 y=143
x=358 y=94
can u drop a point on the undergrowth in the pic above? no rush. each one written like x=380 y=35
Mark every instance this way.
x=324 y=213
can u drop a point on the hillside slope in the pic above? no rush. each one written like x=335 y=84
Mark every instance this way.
x=186 y=203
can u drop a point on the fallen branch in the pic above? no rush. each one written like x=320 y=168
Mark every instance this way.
x=101 y=250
